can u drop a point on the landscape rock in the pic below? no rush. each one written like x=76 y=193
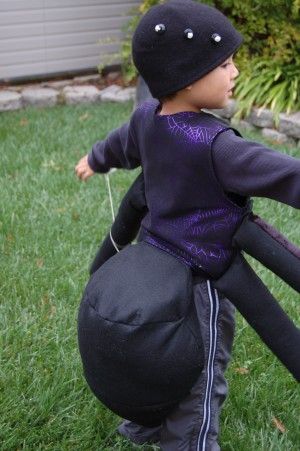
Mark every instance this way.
x=15 y=88
x=58 y=84
x=87 y=78
x=243 y=124
x=10 y=101
x=277 y=137
x=290 y=124
x=126 y=94
x=41 y=97
x=261 y=117
x=110 y=94
x=81 y=94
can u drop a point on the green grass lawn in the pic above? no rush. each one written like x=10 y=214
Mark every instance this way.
x=50 y=227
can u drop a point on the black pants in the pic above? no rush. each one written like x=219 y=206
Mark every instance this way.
x=194 y=424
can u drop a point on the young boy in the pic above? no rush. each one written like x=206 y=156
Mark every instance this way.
x=198 y=175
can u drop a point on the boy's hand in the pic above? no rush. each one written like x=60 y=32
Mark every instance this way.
x=83 y=170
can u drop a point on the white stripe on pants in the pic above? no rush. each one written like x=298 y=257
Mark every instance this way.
x=194 y=424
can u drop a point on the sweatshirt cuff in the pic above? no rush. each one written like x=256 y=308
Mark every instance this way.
x=94 y=160
x=91 y=162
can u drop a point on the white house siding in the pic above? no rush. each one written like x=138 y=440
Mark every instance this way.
x=46 y=37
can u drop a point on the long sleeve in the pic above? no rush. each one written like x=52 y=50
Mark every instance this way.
x=250 y=169
x=118 y=150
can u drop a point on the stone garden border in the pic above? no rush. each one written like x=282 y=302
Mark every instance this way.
x=68 y=93
x=262 y=119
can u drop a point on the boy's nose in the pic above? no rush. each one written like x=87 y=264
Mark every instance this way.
x=235 y=71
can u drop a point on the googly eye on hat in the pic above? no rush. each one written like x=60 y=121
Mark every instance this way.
x=216 y=37
x=189 y=33
x=189 y=40
x=160 y=28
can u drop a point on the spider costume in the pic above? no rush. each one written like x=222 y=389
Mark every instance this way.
x=155 y=328
x=144 y=269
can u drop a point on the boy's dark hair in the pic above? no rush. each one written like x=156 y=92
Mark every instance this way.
x=168 y=97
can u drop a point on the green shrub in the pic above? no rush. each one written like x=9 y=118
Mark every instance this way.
x=270 y=54
x=269 y=85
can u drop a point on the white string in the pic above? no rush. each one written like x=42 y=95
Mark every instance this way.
x=112 y=210
x=110 y=196
x=113 y=242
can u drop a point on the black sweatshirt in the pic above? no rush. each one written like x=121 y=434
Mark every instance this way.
x=197 y=173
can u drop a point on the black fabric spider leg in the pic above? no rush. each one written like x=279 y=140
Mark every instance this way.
x=126 y=225
x=251 y=297
x=273 y=250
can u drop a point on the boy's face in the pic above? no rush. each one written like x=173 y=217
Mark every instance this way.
x=214 y=89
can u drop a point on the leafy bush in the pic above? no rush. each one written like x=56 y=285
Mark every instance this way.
x=269 y=85
x=269 y=60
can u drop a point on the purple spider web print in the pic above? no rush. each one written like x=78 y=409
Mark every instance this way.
x=192 y=133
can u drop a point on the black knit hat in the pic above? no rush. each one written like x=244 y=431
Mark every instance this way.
x=180 y=41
